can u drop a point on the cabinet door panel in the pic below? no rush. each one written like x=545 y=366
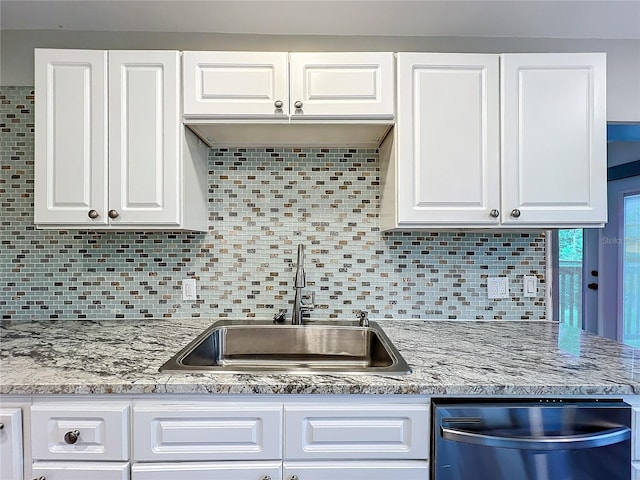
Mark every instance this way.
x=448 y=149
x=349 y=85
x=11 y=443
x=144 y=109
x=355 y=432
x=236 y=84
x=71 y=138
x=358 y=470
x=554 y=138
x=81 y=470
x=207 y=432
x=207 y=471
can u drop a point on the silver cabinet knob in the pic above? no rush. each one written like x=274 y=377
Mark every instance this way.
x=515 y=213
x=93 y=214
x=298 y=104
x=278 y=104
x=40 y=478
x=294 y=477
x=1 y=426
x=494 y=213
x=113 y=214
x=266 y=477
x=71 y=437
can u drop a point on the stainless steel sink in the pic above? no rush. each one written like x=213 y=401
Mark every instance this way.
x=262 y=347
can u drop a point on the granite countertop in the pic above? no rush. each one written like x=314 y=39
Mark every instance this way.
x=447 y=358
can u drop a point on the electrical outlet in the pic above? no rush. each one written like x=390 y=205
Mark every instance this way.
x=498 y=287
x=189 y=287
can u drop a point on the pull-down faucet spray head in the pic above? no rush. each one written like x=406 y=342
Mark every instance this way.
x=300 y=280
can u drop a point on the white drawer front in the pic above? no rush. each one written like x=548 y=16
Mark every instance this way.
x=358 y=470
x=207 y=471
x=102 y=428
x=81 y=471
x=11 y=443
x=352 y=431
x=207 y=432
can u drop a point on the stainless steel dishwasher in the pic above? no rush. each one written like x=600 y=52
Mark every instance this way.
x=531 y=440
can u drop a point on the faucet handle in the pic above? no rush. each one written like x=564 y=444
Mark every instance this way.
x=280 y=315
x=363 y=317
x=308 y=301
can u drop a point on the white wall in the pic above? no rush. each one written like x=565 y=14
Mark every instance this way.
x=623 y=56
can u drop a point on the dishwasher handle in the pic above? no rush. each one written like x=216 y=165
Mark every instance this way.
x=564 y=442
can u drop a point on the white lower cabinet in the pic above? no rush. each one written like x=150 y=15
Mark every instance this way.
x=206 y=431
x=635 y=471
x=357 y=470
x=328 y=439
x=11 y=443
x=208 y=471
x=80 y=471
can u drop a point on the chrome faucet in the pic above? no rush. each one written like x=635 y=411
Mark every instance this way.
x=300 y=282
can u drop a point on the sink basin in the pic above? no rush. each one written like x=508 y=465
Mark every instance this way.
x=262 y=347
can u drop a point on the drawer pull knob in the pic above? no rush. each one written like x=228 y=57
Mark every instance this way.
x=93 y=214
x=40 y=478
x=1 y=426
x=113 y=214
x=278 y=104
x=298 y=105
x=294 y=477
x=266 y=477
x=494 y=213
x=71 y=437
x=515 y=213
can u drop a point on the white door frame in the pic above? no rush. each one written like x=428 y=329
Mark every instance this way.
x=610 y=259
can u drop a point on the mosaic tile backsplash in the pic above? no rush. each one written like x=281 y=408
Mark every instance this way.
x=263 y=203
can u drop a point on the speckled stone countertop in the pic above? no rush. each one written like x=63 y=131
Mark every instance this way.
x=447 y=358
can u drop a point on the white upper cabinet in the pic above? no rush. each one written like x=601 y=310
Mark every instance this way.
x=346 y=85
x=448 y=139
x=281 y=86
x=236 y=84
x=506 y=141
x=111 y=151
x=71 y=136
x=554 y=139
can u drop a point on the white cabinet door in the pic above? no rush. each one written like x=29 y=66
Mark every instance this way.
x=11 y=443
x=349 y=431
x=144 y=138
x=554 y=139
x=208 y=471
x=236 y=84
x=71 y=137
x=80 y=471
x=357 y=470
x=80 y=431
x=448 y=140
x=635 y=471
x=206 y=431
x=345 y=85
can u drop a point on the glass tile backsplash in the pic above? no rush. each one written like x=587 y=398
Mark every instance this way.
x=262 y=203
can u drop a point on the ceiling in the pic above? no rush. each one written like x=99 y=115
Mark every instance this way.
x=606 y=19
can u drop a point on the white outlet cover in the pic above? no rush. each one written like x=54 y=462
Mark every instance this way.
x=498 y=287
x=189 y=287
